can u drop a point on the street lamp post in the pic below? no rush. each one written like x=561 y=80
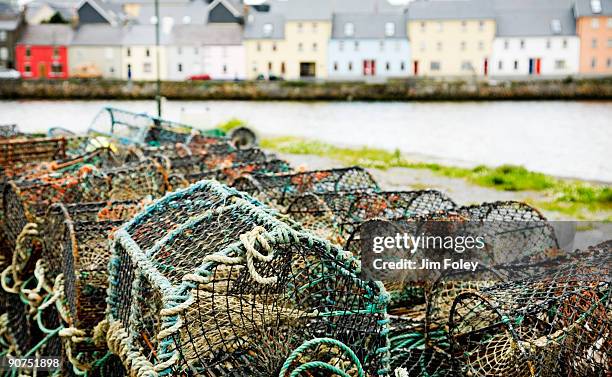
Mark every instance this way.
x=158 y=93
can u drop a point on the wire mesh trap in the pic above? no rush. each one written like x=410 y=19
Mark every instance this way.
x=280 y=189
x=233 y=290
x=228 y=174
x=14 y=151
x=557 y=323
x=334 y=215
x=8 y=131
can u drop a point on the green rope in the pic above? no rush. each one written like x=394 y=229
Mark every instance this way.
x=36 y=347
x=319 y=364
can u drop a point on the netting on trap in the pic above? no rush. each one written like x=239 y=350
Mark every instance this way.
x=8 y=131
x=228 y=289
x=280 y=189
x=139 y=153
x=228 y=174
x=335 y=215
x=14 y=151
x=553 y=324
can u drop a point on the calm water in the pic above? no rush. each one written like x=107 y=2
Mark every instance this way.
x=561 y=138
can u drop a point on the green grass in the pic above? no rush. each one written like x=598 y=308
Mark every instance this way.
x=567 y=196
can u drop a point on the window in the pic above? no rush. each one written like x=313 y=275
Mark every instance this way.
x=548 y=44
x=300 y=27
x=522 y=44
x=179 y=67
x=315 y=27
x=258 y=47
x=594 y=43
x=480 y=45
x=422 y=46
x=609 y=42
x=593 y=63
x=422 y=26
x=439 y=46
x=153 y=20
x=516 y=65
x=108 y=53
x=350 y=66
x=2 y=35
x=555 y=26
x=434 y=66
x=56 y=68
x=267 y=29
x=463 y=25
x=55 y=53
x=388 y=66
x=269 y=66
x=480 y=25
x=349 y=29
x=506 y=44
x=147 y=53
x=609 y=23
x=335 y=66
x=609 y=62
x=381 y=46
x=440 y=26
x=462 y=45
x=300 y=46
x=466 y=65
x=224 y=68
x=128 y=52
x=315 y=46
x=254 y=66
x=559 y=64
x=356 y=45
x=596 y=6
x=389 y=29
x=403 y=66
x=500 y=65
x=273 y=46
x=565 y=43
x=28 y=68
x=146 y=67
x=341 y=46
x=186 y=20
x=179 y=50
x=3 y=53
x=282 y=68
x=595 y=23
x=28 y=52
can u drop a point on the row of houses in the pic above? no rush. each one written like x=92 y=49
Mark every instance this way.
x=323 y=39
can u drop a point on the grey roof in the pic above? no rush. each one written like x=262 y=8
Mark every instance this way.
x=196 y=11
x=112 y=11
x=451 y=10
x=295 y=10
x=211 y=34
x=582 y=8
x=143 y=35
x=534 y=17
x=7 y=10
x=9 y=25
x=368 y=25
x=97 y=35
x=46 y=34
x=254 y=25
x=66 y=10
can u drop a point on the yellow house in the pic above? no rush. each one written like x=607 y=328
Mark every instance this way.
x=139 y=54
x=451 y=37
x=288 y=42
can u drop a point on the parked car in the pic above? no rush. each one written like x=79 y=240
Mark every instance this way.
x=203 y=77
x=10 y=74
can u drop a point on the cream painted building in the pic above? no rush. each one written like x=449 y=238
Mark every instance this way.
x=451 y=38
x=139 y=54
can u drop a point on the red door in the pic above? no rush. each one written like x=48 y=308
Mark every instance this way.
x=415 y=67
x=369 y=67
x=538 y=66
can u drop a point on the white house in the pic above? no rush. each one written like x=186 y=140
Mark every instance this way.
x=368 y=45
x=535 y=38
x=215 y=49
x=139 y=53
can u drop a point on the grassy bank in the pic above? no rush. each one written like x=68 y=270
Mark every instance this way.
x=413 y=89
x=570 y=197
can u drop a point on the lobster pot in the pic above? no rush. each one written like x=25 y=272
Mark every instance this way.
x=336 y=215
x=228 y=174
x=280 y=190
x=233 y=290
x=201 y=144
x=553 y=324
x=8 y=131
x=14 y=151
x=235 y=156
x=170 y=150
